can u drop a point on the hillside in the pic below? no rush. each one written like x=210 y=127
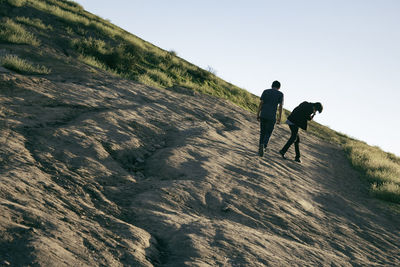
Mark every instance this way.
x=44 y=32
x=100 y=170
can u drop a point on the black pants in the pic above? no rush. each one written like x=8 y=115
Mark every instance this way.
x=266 y=128
x=294 y=138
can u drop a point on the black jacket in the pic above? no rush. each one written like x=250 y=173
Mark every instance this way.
x=301 y=114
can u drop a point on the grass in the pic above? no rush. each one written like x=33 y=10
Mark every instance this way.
x=33 y=22
x=379 y=168
x=13 y=32
x=72 y=12
x=327 y=134
x=95 y=63
x=156 y=67
x=17 y=3
x=120 y=52
x=22 y=66
x=105 y=46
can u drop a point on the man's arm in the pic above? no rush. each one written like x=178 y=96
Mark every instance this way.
x=280 y=107
x=312 y=113
x=259 y=109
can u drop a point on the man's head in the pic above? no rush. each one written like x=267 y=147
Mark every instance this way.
x=276 y=85
x=318 y=107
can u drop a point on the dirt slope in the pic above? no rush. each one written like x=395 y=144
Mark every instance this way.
x=100 y=171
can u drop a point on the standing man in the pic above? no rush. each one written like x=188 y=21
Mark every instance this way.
x=299 y=118
x=266 y=114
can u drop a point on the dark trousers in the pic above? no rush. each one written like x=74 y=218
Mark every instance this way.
x=294 y=138
x=266 y=128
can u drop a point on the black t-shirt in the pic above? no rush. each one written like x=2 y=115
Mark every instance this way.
x=271 y=98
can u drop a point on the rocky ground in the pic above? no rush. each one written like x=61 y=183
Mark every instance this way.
x=101 y=171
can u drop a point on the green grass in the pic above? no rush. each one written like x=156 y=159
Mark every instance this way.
x=155 y=67
x=105 y=46
x=327 y=134
x=33 y=22
x=17 y=3
x=379 y=168
x=13 y=32
x=95 y=63
x=72 y=12
x=22 y=66
x=120 y=52
x=132 y=57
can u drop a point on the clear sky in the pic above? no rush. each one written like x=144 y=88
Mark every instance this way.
x=342 y=53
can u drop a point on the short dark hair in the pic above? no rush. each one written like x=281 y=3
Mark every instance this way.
x=276 y=84
x=318 y=106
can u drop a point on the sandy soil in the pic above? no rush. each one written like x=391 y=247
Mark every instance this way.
x=100 y=171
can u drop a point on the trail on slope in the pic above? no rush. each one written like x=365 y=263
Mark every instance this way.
x=103 y=171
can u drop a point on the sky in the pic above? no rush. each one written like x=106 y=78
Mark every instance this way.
x=342 y=53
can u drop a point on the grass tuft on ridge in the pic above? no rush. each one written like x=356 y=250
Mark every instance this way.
x=22 y=66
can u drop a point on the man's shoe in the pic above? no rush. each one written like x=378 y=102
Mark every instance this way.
x=297 y=160
x=260 y=151
x=282 y=154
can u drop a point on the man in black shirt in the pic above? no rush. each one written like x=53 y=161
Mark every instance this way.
x=299 y=118
x=266 y=115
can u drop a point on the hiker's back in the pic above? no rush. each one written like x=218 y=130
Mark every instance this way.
x=271 y=98
x=301 y=114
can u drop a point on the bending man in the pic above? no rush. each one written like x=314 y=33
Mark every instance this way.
x=299 y=118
